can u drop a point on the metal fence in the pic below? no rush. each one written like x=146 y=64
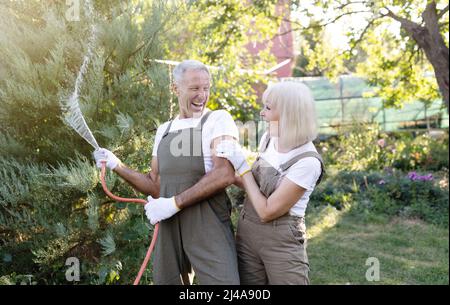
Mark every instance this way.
x=342 y=103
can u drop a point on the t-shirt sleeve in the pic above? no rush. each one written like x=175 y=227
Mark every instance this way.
x=159 y=133
x=224 y=125
x=305 y=173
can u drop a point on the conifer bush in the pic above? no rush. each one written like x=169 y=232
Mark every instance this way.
x=52 y=206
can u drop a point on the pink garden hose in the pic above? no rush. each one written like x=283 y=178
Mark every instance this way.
x=141 y=201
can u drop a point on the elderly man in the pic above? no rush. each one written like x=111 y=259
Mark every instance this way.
x=189 y=183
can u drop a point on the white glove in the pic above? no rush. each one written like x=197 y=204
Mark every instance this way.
x=232 y=151
x=160 y=209
x=103 y=154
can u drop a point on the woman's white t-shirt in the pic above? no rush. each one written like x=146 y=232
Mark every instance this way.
x=219 y=123
x=304 y=172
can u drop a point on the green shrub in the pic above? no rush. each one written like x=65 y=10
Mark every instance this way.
x=363 y=147
x=390 y=193
x=355 y=148
x=419 y=152
x=48 y=214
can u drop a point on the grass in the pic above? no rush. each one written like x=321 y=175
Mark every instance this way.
x=408 y=251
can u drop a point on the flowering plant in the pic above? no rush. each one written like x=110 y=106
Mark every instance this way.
x=416 y=177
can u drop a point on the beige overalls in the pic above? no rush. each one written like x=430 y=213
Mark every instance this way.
x=273 y=252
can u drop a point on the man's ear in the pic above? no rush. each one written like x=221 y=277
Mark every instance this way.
x=175 y=89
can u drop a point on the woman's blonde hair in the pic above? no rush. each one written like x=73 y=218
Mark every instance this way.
x=295 y=104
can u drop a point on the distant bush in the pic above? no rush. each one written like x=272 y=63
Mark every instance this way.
x=392 y=193
x=365 y=147
x=419 y=152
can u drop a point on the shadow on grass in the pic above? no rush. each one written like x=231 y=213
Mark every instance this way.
x=408 y=251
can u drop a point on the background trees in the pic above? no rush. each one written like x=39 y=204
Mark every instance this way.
x=401 y=47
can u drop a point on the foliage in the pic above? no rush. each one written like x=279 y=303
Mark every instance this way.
x=318 y=55
x=383 y=42
x=393 y=194
x=36 y=76
x=46 y=217
x=396 y=80
x=364 y=147
x=422 y=152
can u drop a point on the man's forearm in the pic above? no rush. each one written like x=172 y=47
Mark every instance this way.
x=210 y=184
x=141 y=182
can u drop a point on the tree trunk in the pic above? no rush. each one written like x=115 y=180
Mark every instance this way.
x=437 y=53
x=430 y=40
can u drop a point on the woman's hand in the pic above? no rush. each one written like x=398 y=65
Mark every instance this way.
x=232 y=151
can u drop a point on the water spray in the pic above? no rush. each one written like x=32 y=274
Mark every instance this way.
x=74 y=118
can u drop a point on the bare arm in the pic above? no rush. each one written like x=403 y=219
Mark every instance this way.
x=221 y=176
x=278 y=203
x=239 y=182
x=147 y=184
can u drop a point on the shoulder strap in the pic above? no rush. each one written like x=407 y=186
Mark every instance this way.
x=204 y=118
x=167 y=129
x=285 y=166
x=265 y=144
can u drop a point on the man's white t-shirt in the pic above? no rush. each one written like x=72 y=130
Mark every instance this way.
x=219 y=123
x=304 y=172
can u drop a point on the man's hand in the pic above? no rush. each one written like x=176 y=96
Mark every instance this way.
x=103 y=154
x=160 y=209
x=231 y=150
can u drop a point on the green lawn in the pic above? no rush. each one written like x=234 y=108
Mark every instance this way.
x=408 y=251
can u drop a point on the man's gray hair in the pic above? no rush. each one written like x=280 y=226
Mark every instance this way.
x=185 y=65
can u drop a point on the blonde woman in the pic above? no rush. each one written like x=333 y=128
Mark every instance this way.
x=271 y=233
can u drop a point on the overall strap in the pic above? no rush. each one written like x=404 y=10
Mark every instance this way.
x=265 y=144
x=285 y=166
x=167 y=129
x=204 y=118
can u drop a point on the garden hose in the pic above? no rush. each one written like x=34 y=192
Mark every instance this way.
x=135 y=200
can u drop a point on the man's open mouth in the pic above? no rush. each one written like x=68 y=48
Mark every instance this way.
x=197 y=105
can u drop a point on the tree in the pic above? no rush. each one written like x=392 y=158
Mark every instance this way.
x=51 y=204
x=124 y=95
x=398 y=63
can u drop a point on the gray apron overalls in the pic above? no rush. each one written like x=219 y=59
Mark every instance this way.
x=273 y=252
x=199 y=237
